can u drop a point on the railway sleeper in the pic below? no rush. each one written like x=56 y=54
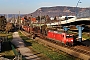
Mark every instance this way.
x=82 y=51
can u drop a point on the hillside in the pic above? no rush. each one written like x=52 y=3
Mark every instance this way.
x=57 y=11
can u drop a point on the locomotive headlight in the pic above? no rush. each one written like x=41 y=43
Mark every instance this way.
x=71 y=40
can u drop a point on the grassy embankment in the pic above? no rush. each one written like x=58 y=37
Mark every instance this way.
x=86 y=35
x=7 y=50
x=44 y=52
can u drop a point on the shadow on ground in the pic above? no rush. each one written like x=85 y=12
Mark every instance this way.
x=25 y=39
x=86 y=42
x=6 y=46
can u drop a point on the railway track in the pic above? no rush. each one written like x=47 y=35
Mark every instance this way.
x=77 y=51
x=80 y=48
x=72 y=51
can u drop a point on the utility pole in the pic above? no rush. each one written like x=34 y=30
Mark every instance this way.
x=31 y=25
x=14 y=18
x=77 y=7
x=19 y=20
x=7 y=17
x=60 y=23
x=40 y=19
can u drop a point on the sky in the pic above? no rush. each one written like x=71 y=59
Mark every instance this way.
x=29 y=6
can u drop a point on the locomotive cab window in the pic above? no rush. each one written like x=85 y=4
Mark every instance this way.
x=69 y=36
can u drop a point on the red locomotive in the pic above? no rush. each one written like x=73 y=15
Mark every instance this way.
x=65 y=38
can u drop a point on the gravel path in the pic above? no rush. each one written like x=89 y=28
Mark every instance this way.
x=26 y=52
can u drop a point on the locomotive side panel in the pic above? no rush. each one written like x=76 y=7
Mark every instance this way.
x=50 y=34
x=59 y=37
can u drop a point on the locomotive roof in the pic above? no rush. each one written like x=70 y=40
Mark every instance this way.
x=60 y=32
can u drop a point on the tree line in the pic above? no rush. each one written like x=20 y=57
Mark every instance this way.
x=46 y=18
x=4 y=25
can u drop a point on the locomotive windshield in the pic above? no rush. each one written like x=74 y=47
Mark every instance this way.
x=69 y=36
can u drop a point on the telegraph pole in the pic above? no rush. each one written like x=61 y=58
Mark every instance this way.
x=77 y=7
x=7 y=17
x=19 y=20
x=31 y=25
x=40 y=19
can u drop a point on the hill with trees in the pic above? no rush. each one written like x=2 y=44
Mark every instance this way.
x=57 y=11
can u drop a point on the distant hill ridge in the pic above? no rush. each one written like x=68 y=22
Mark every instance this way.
x=52 y=11
x=57 y=11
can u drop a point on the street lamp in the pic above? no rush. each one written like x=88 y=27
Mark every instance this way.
x=77 y=8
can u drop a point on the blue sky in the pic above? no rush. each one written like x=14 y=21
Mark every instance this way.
x=29 y=6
